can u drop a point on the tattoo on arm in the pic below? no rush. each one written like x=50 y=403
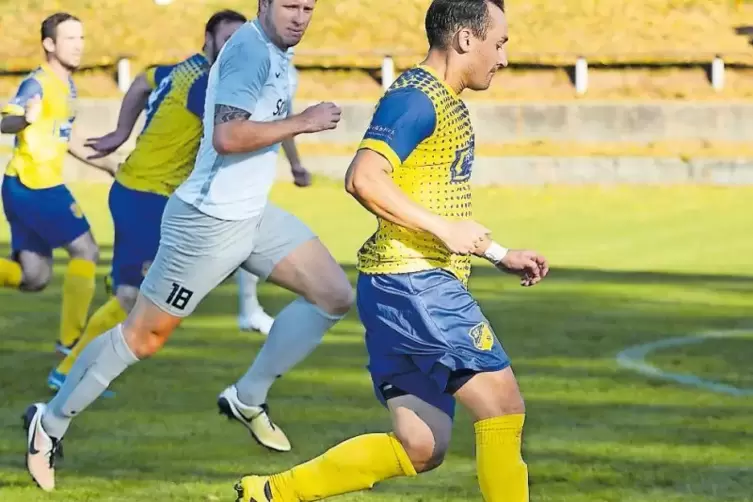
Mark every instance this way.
x=226 y=113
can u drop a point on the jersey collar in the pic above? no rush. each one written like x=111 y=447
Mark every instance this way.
x=46 y=68
x=257 y=26
x=203 y=59
x=431 y=71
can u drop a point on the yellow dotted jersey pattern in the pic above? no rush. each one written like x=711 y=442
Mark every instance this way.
x=166 y=150
x=436 y=175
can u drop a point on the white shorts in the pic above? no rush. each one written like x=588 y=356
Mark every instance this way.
x=197 y=252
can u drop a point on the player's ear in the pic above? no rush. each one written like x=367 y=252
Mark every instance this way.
x=463 y=40
x=48 y=44
x=208 y=42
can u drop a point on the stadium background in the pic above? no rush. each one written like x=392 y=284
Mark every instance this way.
x=638 y=191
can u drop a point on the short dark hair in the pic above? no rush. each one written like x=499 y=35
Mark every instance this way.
x=445 y=17
x=50 y=25
x=223 y=16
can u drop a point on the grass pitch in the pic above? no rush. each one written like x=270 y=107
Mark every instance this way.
x=629 y=266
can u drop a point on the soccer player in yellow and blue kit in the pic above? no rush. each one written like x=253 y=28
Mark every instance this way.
x=42 y=213
x=165 y=152
x=429 y=344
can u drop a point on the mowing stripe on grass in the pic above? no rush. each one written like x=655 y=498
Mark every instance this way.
x=634 y=358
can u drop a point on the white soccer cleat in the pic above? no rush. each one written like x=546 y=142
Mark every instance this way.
x=41 y=449
x=258 y=321
x=255 y=419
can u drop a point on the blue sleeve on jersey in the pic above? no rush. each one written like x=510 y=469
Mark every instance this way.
x=27 y=90
x=160 y=72
x=403 y=119
x=243 y=71
x=196 y=95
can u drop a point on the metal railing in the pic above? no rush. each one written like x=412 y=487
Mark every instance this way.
x=579 y=62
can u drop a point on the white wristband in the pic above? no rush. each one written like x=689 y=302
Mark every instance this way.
x=494 y=253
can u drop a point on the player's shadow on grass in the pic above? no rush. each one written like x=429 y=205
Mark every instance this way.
x=163 y=423
x=648 y=277
x=633 y=478
x=489 y=285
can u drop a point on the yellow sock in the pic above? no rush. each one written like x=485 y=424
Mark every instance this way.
x=353 y=465
x=502 y=473
x=10 y=273
x=104 y=319
x=78 y=291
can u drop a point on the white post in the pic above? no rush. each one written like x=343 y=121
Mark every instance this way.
x=581 y=75
x=388 y=72
x=717 y=74
x=124 y=74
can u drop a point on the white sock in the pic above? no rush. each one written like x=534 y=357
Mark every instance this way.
x=101 y=362
x=297 y=331
x=247 y=298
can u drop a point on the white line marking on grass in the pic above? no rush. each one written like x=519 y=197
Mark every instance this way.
x=634 y=358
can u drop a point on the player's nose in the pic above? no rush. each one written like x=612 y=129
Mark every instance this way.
x=300 y=18
x=502 y=62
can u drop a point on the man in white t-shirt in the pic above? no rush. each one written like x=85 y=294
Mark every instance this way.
x=219 y=219
x=251 y=315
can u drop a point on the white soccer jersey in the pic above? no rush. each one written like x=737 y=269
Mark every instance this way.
x=253 y=74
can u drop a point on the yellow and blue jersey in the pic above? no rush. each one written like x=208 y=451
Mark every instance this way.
x=166 y=148
x=40 y=148
x=423 y=129
x=425 y=334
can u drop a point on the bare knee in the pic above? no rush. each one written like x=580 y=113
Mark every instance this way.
x=332 y=293
x=147 y=328
x=338 y=299
x=84 y=248
x=493 y=394
x=143 y=340
x=36 y=277
x=514 y=406
x=420 y=449
x=426 y=452
x=126 y=296
x=423 y=430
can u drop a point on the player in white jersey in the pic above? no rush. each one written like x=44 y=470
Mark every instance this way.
x=217 y=221
x=251 y=315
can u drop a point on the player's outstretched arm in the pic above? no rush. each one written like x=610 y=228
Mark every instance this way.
x=12 y=124
x=242 y=72
x=24 y=109
x=78 y=149
x=235 y=132
x=530 y=266
x=134 y=102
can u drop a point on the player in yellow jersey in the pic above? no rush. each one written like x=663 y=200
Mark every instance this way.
x=173 y=98
x=429 y=343
x=42 y=213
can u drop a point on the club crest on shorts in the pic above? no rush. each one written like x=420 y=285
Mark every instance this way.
x=76 y=210
x=482 y=336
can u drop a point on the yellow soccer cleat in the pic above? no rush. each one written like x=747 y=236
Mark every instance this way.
x=254 y=489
